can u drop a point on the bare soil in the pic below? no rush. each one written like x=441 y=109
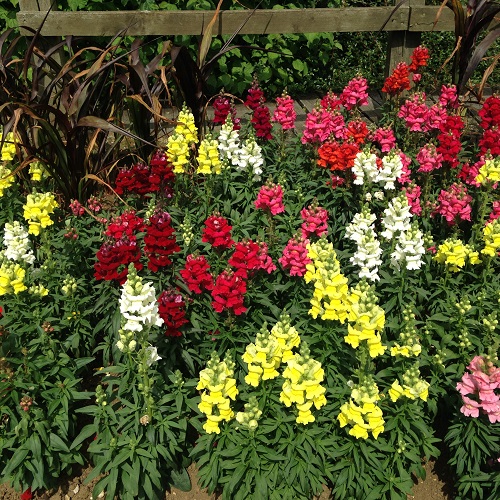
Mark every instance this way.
x=436 y=486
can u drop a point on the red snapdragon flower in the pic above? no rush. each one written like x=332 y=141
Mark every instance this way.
x=453 y=124
x=114 y=257
x=250 y=256
x=270 y=198
x=27 y=495
x=196 y=274
x=77 y=208
x=172 y=310
x=449 y=146
x=125 y=225
x=419 y=58
x=398 y=81
x=357 y=131
x=261 y=122
x=160 y=241
x=337 y=156
x=255 y=96
x=331 y=101
x=490 y=112
x=490 y=141
x=217 y=232
x=229 y=293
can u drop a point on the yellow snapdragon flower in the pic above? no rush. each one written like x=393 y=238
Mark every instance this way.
x=186 y=126
x=178 y=152
x=287 y=337
x=364 y=418
x=453 y=253
x=37 y=211
x=6 y=179
x=413 y=386
x=208 y=157
x=491 y=237
x=9 y=147
x=37 y=172
x=489 y=172
x=11 y=277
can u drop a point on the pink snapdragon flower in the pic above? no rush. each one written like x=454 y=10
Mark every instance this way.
x=331 y=101
x=385 y=138
x=429 y=159
x=414 y=112
x=318 y=126
x=454 y=204
x=295 y=257
x=495 y=213
x=284 y=113
x=449 y=97
x=355 y=94
x=413 y=192
x=436 y=116
x=270 y=198
x=315 y=221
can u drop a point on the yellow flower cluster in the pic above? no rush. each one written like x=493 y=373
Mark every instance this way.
x=287 y=337
x=6 y=179
x=219 y=387
x=362 y=411
x=262 y=358
x=11 y=277
x=37 y=172
x=8 y=148
x=413 y=386
x=39 y=290
x=410 y=345
x=366 y=319
x=37 y=211
x=330 y=297
x=186 y=126
x=208 y=157
x=453 y=253
x=303 y=376
x=491 y=237
x=489 y=172
x=178 y=152
x=249 y=419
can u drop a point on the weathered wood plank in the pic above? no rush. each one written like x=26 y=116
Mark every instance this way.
x=42 y=5
x=263 y=21
x=422 y=19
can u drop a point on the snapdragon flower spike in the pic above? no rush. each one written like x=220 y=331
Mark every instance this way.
x=114 y=257
x=208 y=157
x=126 y=225
x=229 y=293
x=178 y=152
x=489 y=172
x=454 y=254
x=414 y=112
x=245 y=258
x=302 y=386
x=315 y=221
x=160 y=241
x=172 y=310
x=490 y=141
x=12 y=276
x=397 y=217
x=366 y=319
x=217 y=232
x=284 y=113
x=222 y=107
x=270 y=198
x=261 y=122
x=412 y=193
x=355 y=94
x=409 y=249
x=37 y=211
x=331 y=101
x=337 y=156
x=218 y=387
x=294 y=257
x=360 y=224
x=448 y=97
x=479 y=389
x=250 y=158
x=429 y=159
x=16 y=240
x=367 y=255
x=356 y=131
x=186 y=126
x=329 y=300
x=385 y=138
x=255 y=96
x=262 y=357
x=229 y=143
x=249 y=419
x=365 y=168
x=454 y=204
x=449 y=147
x=362 y=412
x=491 y=238
x=490 y=112
x=196 y=274
x=419 y=58
x=413 y=386
x=287 y=336
x=398 y=81
x=318 y=126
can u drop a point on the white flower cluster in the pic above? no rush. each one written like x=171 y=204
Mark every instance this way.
x=229 y=143
x=139 y=310
x=409 y=249
x=17 y=243
x=250 y=155
x=367 y=256
x=392 y=168
x=365 y=169
x=397 y=217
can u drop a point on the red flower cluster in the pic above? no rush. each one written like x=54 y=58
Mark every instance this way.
x=357 y=131
x=196 y=274
x=77 y=208
x=419 y=58
x=490 y=141
x=250 y=256
x=114 y=257
x=222 y=108
x=217 y=232
x=143 y=179
x=398 y=81
x=270 y=198
x=449 y=146
x=160 y=240
x=229 y=293
x=255 y=96
x=337 y=156
x=125 y=225
x=454 y=124
x=315 y=221
x=490 y=112
x=331 y=101
x=261 y=121
x=172 y=310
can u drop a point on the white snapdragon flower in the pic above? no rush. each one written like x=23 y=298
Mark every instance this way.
x=392 y=168
x=360 y=224
x=229 y=143
x=409 y=249
x=365 y=165
x=367 y=256
x=152 y=355
x=250 y=155
x=17 y=243
x=397 y=217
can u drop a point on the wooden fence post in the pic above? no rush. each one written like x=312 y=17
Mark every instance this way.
x=400 y=44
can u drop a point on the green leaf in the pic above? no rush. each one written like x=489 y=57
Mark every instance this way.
x=57 y=444
x=15 y=461
x=85 y=433
x=181 y=480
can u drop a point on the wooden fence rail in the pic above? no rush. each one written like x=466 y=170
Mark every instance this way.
x=404 y=25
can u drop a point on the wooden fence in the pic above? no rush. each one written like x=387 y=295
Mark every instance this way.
x=404 y=25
